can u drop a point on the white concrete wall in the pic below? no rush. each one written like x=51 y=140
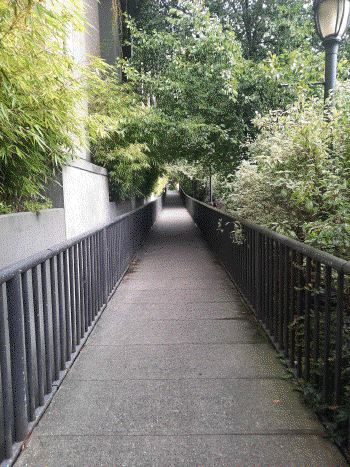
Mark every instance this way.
x=92 y=33
x=85 y=185
x=26 y=233
x=76 y=47
x=86 y=197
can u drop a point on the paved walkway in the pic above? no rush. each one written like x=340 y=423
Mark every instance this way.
x=174 y=374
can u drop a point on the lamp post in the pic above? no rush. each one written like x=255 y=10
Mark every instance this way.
x=210 y=186
x=331 y=20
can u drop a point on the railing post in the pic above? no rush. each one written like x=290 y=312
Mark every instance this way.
x=105 y=264
x=257 y=255
x=39 y=333
x=6 y=380
x=62 y=311
x=18 y=357
x=29 y=328
x=55 y=319
x=67 y=305
x=47 y=313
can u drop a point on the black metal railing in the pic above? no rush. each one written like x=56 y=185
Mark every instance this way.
x=48 y=305
x=299 y=294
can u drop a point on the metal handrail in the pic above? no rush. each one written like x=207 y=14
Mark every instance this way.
x=314 y=253
x=49 y=304
x=299 y=295
x=23 y=265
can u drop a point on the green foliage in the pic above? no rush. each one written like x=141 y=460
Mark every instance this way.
x=193 y=177
x=178 y=103
x=189 y=59
x=116 y=109
x=190 y=71
x=130 y=138
x=41 y=97
x=191 y=96
x=297 y=178
x=266 y=27
x=151 y=14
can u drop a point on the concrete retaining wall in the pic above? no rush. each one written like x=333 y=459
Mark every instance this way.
x=86 y=197
x=26 y=233
x=117 y=209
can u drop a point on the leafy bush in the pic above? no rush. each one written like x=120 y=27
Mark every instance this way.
x=297 y=178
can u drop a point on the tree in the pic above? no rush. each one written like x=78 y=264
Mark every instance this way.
x=171 y=54
x=191 y=69
x=199 y=95
x=266 y=27
x=136 y=141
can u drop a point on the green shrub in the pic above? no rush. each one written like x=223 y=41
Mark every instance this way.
x=297 y=178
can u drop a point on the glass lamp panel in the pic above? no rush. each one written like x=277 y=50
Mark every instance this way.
x=344 y=17
x=327 y=17
x=333 y=17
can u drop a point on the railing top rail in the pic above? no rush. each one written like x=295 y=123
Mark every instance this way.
x=328 y=259
x=24 y=265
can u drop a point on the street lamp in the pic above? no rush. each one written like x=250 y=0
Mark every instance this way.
x=331 y=19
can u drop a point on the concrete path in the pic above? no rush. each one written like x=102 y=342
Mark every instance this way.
x=175 y=374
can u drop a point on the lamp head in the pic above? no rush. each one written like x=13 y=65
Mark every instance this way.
x=331 y=18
